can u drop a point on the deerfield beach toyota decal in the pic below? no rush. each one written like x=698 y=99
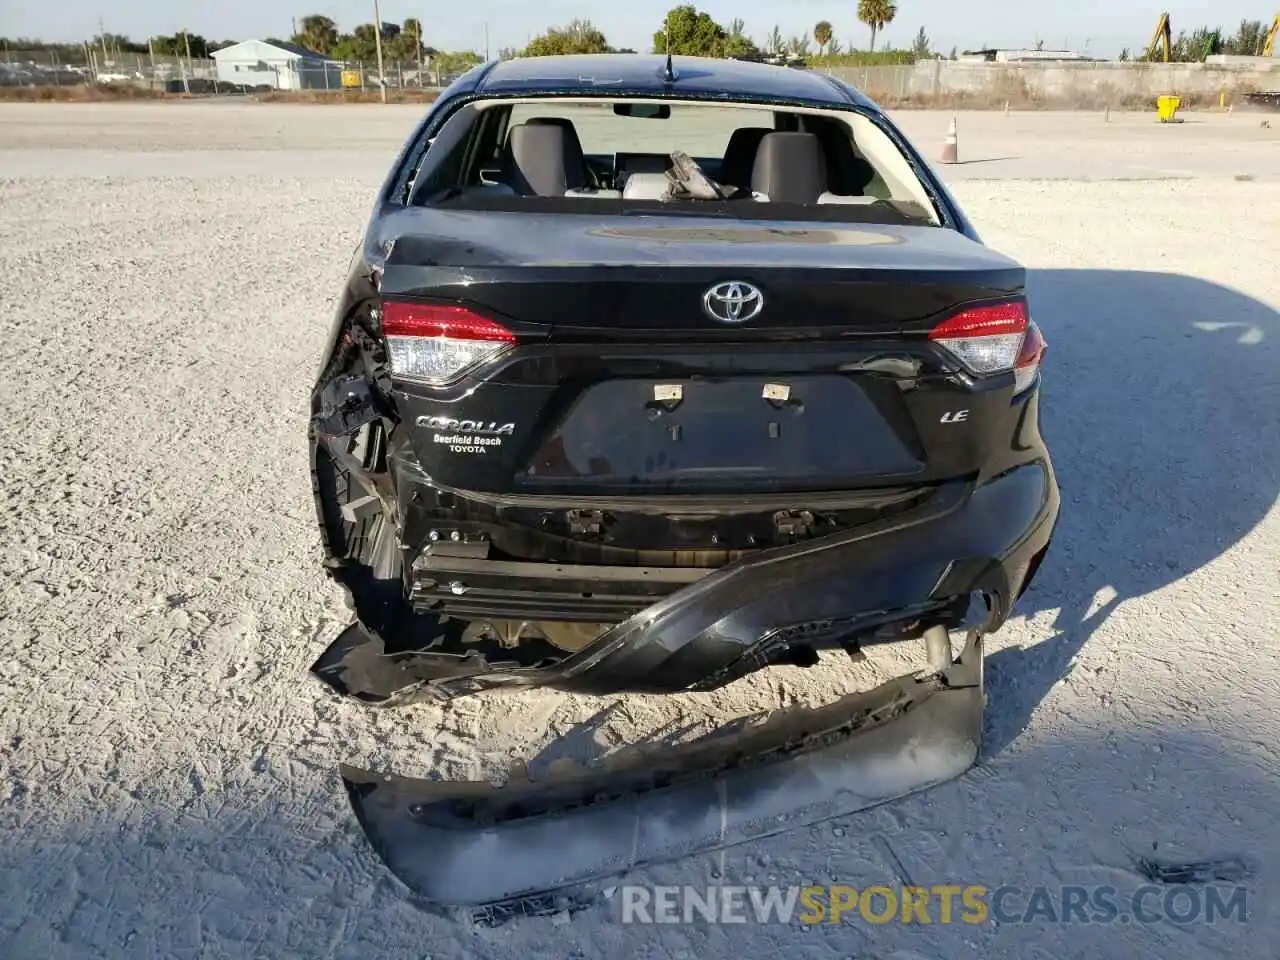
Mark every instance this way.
x=466 y=436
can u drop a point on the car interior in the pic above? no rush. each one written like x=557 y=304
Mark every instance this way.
x=799 y=159
x=543 y=156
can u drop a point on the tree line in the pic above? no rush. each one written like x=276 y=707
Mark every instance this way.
x=690 y=32
x=402 y=41
x=114 y=44
x=686 y=31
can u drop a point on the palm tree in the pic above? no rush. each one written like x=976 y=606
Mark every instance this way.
x=876 y=14
x=775 y=40
x=822 y=35
x=318 y=34
x=922 y=48
x=407 y=44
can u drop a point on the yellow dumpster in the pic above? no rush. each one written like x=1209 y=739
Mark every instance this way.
x=1167 y=108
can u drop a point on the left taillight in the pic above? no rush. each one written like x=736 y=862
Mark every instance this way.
x=994 y=338
x=438 y=343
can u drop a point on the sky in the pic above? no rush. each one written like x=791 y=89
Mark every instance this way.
x=1097 y=27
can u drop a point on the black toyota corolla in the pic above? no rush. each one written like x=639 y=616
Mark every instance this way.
x=653 y=373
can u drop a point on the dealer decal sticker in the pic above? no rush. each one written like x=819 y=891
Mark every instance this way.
x=466 y=436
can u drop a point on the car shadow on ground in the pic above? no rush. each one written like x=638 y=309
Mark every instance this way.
x=1161 y=408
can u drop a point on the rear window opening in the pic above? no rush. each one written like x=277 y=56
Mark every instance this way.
x=557 y=154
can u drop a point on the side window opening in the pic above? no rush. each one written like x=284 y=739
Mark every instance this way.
x=447 y=156
x=481 y=165
x=850 y=172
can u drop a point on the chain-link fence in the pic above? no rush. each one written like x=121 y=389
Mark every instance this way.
x=51 y=68
x=359 y=75
x=45 y=68
x=925 y=83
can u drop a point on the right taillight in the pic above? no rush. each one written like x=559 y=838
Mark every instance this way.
x=438 y=343
x=994 y=338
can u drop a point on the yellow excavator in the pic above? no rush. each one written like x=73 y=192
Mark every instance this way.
x=1162 y=43
x=1163 y=37
x=1269 y=44
x=1161 y=46
x=1160 y=49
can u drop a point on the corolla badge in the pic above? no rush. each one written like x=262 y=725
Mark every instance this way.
x=732 y=302
x=485 y=428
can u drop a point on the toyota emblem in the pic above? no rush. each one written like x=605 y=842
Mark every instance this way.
x=732 y=302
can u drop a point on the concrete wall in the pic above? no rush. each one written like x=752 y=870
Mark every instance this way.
x=1061 y=84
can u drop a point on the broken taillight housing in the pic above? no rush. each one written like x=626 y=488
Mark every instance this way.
x=994 y=338
x=438 y=343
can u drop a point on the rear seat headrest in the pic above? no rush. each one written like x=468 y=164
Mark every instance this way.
x=538 y=159
x=789 y=168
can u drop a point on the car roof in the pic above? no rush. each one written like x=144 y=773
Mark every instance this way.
x=640 y=74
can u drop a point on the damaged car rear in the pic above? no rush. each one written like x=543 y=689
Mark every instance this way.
x=650 y=374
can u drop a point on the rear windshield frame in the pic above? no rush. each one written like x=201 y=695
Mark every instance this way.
x=401 y=186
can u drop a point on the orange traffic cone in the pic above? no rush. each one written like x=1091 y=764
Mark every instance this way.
x=951 y=146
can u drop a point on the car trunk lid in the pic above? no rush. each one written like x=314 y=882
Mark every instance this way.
x=631 y=378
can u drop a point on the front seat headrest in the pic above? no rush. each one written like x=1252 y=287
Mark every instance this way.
x=789 y=168
x=538 y=159
x=573 y=145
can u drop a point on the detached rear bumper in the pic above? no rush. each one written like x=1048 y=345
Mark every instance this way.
x=474 y=843
x=921 y=565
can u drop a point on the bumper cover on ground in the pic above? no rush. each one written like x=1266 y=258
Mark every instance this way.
x=473 y=843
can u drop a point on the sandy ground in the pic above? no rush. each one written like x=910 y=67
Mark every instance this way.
x=168 y=771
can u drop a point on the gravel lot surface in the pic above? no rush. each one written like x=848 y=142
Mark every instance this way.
x=167 y=771
x=326 y=140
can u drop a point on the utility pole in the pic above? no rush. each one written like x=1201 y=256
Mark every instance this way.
x=419 y=39
x=151 y=55
x=486 y=41
x=377 y=37
x=102 y=36
x=186 y=37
